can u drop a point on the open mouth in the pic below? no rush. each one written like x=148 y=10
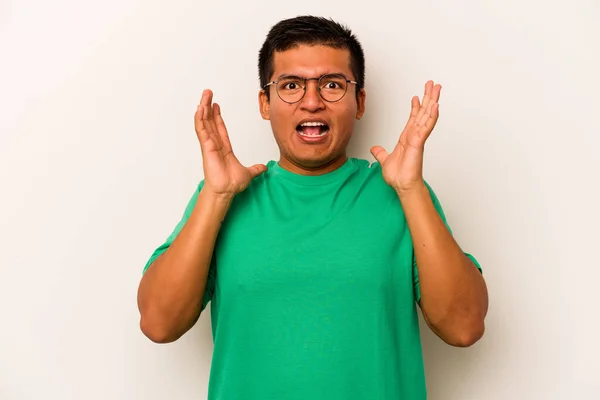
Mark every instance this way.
x=312 y=129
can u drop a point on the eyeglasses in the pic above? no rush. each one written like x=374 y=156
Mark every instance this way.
x=331 y=87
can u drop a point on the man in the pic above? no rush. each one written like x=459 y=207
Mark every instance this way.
x=314 y=264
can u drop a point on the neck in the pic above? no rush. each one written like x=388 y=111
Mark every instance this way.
x=311 y=170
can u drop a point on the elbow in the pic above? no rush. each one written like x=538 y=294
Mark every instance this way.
x=156 y=331
x=154 y=323
x=458 y=331
x=467 y=336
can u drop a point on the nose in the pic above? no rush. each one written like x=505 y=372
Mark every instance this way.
x=312 y=100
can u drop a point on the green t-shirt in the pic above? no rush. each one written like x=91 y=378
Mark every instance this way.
x=312 y=286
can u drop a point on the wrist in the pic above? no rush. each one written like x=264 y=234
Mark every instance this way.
x=414 y=191
x=216 y=204
x=216 y=198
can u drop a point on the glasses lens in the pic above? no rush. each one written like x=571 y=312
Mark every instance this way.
x=333 y=87
x=290 y=89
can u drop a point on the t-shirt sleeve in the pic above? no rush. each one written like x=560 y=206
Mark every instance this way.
x=211 y=280
x=438 y=207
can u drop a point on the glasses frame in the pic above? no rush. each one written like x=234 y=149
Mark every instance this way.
x=305 y=85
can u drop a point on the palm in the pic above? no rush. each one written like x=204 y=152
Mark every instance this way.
x=402 y=169
x=223 y=173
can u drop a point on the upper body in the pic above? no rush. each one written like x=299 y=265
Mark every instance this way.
x=314 y=286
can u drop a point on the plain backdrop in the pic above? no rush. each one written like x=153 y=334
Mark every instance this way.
x=98 y=158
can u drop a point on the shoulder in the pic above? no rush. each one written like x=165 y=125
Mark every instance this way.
x=364 y=165
x=368 y=171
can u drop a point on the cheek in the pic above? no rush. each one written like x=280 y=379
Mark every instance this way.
x=346 y=116
x=280 y=118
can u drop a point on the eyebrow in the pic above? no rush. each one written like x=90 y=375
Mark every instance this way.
x=303 y=77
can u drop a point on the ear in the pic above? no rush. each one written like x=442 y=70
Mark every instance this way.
x=264 y=105
x=361 y=103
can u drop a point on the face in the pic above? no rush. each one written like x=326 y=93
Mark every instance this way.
x=316 y=150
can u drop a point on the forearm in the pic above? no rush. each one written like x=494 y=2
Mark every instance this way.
x=171 y=290
x=453 y=292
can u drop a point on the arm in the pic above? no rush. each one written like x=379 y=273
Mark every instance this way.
x=454 y=297
x=171 y=290
x=453 y=293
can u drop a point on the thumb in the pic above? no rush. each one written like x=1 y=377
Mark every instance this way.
x=379 y=153
x=257 y=169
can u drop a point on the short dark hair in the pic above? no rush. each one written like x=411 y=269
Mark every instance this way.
x=310 y=30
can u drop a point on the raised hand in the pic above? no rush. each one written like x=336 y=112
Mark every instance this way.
x=402 y=169
x=224 y=175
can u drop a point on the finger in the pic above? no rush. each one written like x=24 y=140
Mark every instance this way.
x=427 y=96
x=415 y=106
x=379 y=153
x=426 y=125
x=204 y=131
x=414 y=113
x=429 y=103
x=199 y=124
x=206 y=143
x=257 y=169
x=432 y=101
x=433 y=117
x=206 y=116
x=435 y=94
x=428 y=89
x=423 y=116
x=221 y=128
x=207 y=96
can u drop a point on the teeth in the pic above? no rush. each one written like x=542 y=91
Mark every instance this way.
x=319 y=135
x=312 y=124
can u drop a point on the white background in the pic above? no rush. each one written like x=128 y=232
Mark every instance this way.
x=98 y=158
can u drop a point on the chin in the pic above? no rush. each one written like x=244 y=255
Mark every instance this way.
x=315 y=162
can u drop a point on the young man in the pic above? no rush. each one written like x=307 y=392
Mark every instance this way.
x=314 y=264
